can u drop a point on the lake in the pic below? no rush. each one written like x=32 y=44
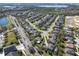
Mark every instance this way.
x=3 y=21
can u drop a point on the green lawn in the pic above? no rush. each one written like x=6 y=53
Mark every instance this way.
x=11 y=38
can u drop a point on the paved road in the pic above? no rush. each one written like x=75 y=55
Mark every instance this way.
x=26 y=42
x=24 y=39
x=34 y=26
x=44 y=34
x=53 y=24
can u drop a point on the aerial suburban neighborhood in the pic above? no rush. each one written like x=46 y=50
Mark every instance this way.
x=28 y=29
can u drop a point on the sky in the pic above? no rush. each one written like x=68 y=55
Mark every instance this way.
x=39 y=1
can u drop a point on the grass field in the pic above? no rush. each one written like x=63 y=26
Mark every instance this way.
x=11 y=38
